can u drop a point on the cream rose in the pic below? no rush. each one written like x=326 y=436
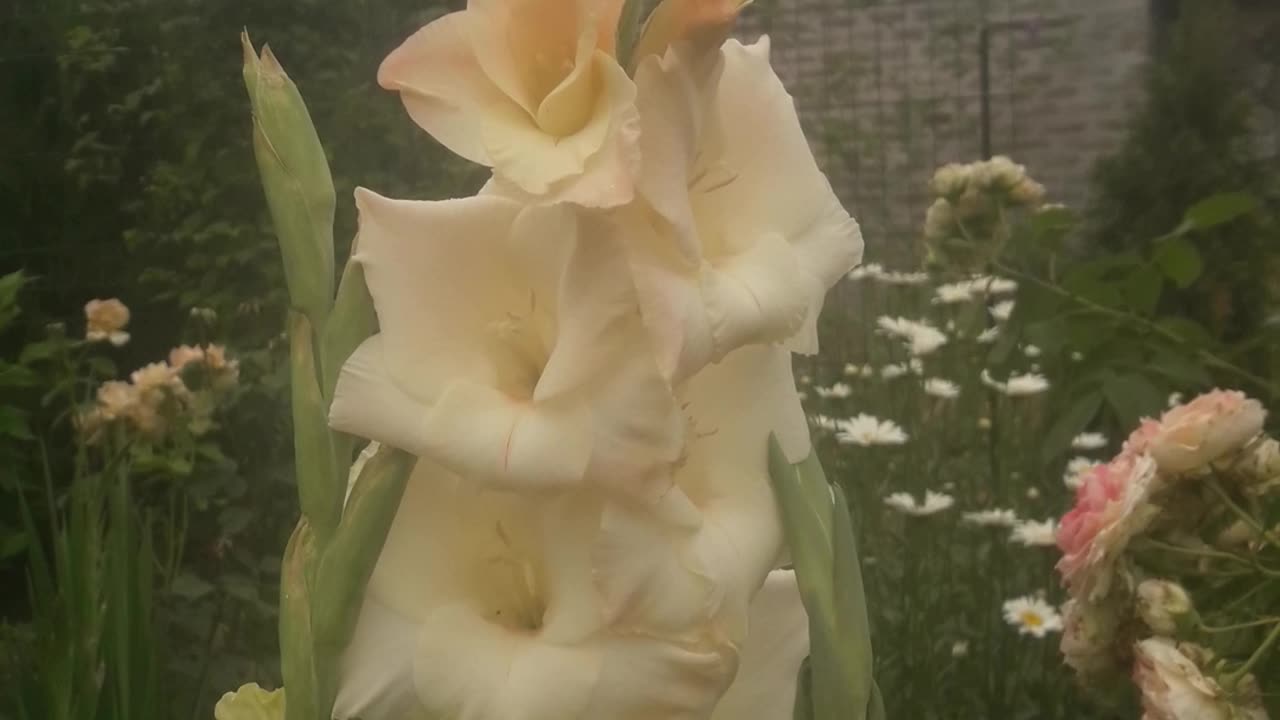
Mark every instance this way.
x=1193 y=435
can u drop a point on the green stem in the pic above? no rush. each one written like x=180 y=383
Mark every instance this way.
x=1245 y=517
x=1234 y=678
x=1203 y=355
x=1238 y=626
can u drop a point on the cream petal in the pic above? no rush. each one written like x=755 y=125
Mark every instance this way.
x=542 y=378
x=526 y=46
x=777 y=186
x=469 y=668
x=777 y=643
x=708 y=571
x=376 y=670
x=594 y=167
x=444 y=87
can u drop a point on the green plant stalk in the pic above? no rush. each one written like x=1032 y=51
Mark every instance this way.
x=1235 y=677
x=837 y=681
x=337 y=541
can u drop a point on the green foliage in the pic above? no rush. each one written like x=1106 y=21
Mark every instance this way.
x=1192 y=161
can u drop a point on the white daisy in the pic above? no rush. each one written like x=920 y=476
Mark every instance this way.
x=941 y=388
x=1002 y=310
x=921 y=337
x=839 y=391
x=951 y=293
x=1032 y=616
x=1032 y=533
x=824 y=422
x=1031 y=351
x=934 y=502
x=988 y=336
x=1001 y=286
x=871 y=271
x=1077 y=467
x=1026 y=384
x=996 y=517
x=905 y=278
x=867 y=430
x=893 y=371
x=1089 y=441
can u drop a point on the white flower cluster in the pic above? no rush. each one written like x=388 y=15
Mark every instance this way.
x=975 y=288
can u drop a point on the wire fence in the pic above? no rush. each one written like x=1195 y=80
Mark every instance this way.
x=887 y=91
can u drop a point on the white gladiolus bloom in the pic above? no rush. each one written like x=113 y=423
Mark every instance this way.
x=941 y=388
x=934 y=502
x=995 y=517
x=484 y=599
x=1002 y=310
x=1032 y=616
x=590 y=529
x=546 y=378
x=530 y=89
x=750 y=234
x=868 y=430
x=1033 y=533
x=839 y=391
x=1089 y=441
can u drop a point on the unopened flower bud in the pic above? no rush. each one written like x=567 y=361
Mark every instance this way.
x=949 y=180
x=1162 y=605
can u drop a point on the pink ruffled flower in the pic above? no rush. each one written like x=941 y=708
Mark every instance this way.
x=1112 y=506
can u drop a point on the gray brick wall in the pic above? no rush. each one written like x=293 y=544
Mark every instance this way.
x=889 y=90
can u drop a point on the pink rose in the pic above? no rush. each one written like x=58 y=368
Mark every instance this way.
x=1111 y=508
x=1193 y=435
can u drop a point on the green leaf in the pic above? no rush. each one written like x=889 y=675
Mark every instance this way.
x=12 y=376
x=353 y=320
x=13 y=423
x=189 y=586
x=1218 y=209
x=1142 y=289
x=629 y=28
x=1069 y=424
x=1132 y=397
x=348 y=561
x=1179 y=260
x=320 y=490
x=1188 y=330
x=296 y=650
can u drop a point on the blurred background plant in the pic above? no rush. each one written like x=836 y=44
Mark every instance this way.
x=128 y=172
